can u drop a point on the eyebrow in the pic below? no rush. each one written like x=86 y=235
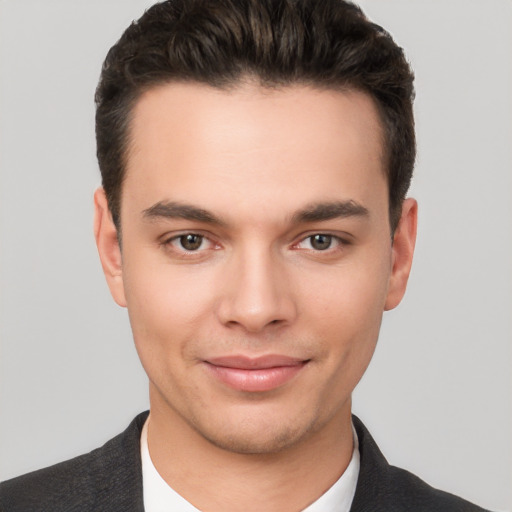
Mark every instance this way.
x=318 y=212
x=315 y=212
x=174 y=210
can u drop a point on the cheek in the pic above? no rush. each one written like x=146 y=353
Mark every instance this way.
x=345 y=307
x=350 y=293
x=166 y=305
x=348 y=320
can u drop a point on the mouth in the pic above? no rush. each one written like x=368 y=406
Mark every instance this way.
x=257 y=374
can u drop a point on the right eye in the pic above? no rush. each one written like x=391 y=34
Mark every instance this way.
x=189 y=245
x=189 y=242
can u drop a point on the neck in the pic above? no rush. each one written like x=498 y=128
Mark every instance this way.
x=214 y=479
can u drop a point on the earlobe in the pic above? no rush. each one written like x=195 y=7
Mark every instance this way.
x=404 y=241
x=105 y=233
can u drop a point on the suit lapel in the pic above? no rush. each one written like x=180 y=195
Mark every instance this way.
x=116 y=472
x=371 y=483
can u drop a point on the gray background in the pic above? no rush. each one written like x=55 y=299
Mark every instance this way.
x=437 y=396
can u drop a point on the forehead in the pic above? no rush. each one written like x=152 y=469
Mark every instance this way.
x=196 y=143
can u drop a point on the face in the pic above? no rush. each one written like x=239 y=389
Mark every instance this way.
x=256 y=258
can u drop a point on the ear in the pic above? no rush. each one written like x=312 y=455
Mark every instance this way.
x=105 y=233
x=404 y=240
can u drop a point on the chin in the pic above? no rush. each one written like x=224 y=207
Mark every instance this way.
x=253 y=437
x=254 y=445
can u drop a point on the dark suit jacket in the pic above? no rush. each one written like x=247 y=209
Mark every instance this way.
x=109 y=479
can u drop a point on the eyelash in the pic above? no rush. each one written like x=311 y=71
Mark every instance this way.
x=339 y=244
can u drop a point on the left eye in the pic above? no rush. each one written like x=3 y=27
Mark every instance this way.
x=319 y=242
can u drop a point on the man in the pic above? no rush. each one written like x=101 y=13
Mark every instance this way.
x=255 y=159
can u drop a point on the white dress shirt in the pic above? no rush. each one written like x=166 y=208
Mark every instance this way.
x=160 y=497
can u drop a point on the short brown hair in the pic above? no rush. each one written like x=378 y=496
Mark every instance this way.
x=323 y=43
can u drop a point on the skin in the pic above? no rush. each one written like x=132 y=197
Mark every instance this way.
x=256 y=160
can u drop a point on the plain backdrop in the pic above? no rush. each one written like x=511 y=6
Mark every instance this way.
x=437 y=396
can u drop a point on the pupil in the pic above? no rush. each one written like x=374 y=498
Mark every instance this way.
x=321 y=242
x=191 y=242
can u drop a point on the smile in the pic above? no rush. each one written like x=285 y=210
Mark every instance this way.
x=255 y=374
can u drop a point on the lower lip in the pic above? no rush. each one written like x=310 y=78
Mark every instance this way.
x=265 y=379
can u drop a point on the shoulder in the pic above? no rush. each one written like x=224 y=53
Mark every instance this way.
x=410 y=492
x=64 y=486
x=105 y=475
x=382 y=486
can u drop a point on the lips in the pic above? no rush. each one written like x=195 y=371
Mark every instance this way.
x=258 y=374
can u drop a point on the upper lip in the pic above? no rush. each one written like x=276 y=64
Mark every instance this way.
x=243 y=362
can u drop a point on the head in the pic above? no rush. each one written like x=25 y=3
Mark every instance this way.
x=327 y=45
x=255 y=156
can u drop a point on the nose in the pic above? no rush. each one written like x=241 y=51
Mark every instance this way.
x=257 y=293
